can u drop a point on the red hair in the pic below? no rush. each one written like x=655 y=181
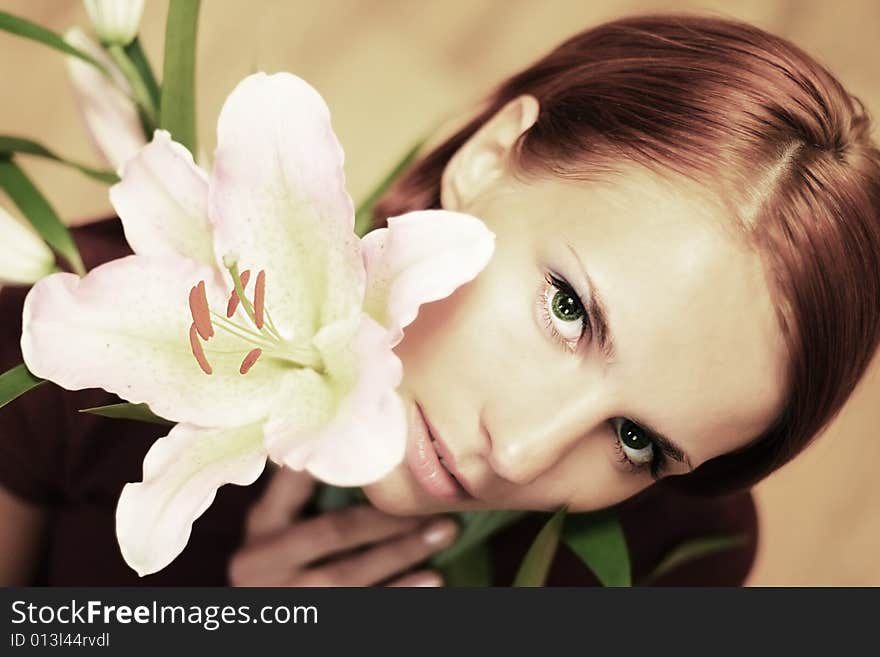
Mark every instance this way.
x=754 y=118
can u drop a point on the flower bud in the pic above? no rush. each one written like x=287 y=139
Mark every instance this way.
x=116 y=22
x=24 y=256
x=110 y=115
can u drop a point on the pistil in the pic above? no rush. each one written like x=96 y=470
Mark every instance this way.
x=232 y=306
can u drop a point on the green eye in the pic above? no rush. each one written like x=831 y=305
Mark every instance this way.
x=564 y=314
x=566 y=307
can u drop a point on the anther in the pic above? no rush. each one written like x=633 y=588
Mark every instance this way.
x=232 y=306
x=249 y=360
x=198 y=307
x=197 y=350
x=259 y=298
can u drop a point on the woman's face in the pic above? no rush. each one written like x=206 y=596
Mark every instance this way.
x=510 y=371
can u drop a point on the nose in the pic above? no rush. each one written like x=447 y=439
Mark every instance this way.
x=520 y=452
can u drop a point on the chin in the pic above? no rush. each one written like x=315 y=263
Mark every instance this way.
x=393 y=495
x=398 y=494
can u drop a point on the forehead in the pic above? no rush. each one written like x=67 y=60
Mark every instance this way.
x=699 y=352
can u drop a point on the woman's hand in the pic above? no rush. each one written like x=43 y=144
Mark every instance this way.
x=357 y=546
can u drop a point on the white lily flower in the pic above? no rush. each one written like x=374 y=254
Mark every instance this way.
x=24 y=256
x=108 y=111
x=116 y=22
x=250 y=314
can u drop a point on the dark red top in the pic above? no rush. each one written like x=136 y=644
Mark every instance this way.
x=76 y=465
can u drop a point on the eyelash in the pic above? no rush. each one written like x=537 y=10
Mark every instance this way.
x=563 y=286
x=655 y=465
x=658 y=461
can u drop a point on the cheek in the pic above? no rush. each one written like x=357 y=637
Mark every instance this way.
x=468 y=338
x=588 y=477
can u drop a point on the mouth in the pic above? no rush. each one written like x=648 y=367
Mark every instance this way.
x=428 y=460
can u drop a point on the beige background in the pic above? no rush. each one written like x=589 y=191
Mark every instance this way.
x=391 y=70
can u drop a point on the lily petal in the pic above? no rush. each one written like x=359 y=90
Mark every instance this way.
x=366 y=438
x=182 y=473
x=109 y=114
x=162 y=201
x=420 y=257
x=278 y=202
x=24 y=256
x=125 y=328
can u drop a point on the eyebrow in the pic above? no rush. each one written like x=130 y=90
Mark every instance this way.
x=666 y=445
x=599 y=316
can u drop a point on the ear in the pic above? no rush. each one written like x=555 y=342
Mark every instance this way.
x=483 y=159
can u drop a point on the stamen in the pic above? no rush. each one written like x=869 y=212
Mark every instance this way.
x=232 y=306
x=249 y=360
x=271 y=325
x=259 y=298
x=197 y=350
x=201 y=314
x=242 y=332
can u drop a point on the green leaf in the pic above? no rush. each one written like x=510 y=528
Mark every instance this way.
x=126 y=411
x=475 y=528
x=37 y=210
x=16 y=382
x=363 y=220
x=29 y=30
x=694 y=549
x=177 y=112
x=11 y=145
x=471 y=568
x=536 y=564
x=135 y=53
x=598 y=539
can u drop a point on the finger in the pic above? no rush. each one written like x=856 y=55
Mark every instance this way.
x=420 y=578
x=388 y=558
x=285 y=495
x=332 y=532
x=273 y=558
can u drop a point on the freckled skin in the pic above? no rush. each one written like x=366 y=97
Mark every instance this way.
x=699 y=352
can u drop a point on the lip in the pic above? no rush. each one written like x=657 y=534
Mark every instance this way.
x=423 y=459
